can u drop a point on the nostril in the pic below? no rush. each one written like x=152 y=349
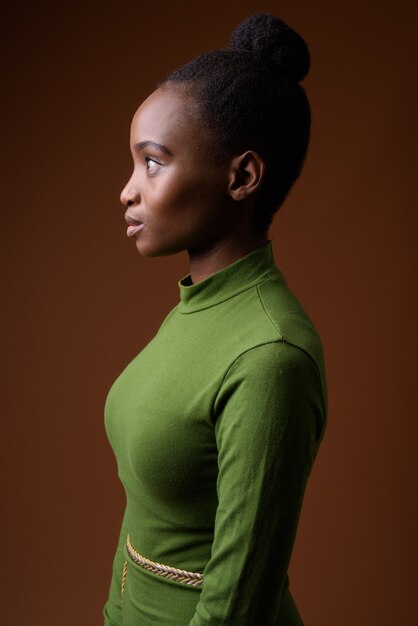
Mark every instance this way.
x=126 y=198
x=129 y=196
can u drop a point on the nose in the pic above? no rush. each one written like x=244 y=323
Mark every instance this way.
x=129 y=195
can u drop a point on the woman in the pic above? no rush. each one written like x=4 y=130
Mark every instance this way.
x=216 y=423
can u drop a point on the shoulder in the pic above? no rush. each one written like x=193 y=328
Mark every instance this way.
x=274 y=358
x=270 y=315
x=288 y=316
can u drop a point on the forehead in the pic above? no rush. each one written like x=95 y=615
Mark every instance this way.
x=168 y=117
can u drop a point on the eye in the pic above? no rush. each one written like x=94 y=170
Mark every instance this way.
x=150 y=164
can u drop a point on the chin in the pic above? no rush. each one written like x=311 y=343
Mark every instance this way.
x=155 y=249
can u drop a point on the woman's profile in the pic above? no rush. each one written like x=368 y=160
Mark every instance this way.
x=216 y=423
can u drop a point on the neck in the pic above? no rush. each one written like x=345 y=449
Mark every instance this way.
x=221 y=254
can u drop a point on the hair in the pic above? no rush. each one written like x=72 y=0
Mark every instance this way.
x=249 y=97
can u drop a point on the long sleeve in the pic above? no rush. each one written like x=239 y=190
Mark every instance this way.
x=112 y=609
x=269 y=417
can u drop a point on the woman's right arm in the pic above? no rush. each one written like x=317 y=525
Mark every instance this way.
x=112 y=610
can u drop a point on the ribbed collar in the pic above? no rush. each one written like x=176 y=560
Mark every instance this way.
x=244 y=273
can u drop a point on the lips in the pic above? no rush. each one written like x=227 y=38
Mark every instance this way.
x=134 y=225
x=133 y=230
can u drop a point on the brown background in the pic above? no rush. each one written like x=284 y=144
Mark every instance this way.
x=80 y=302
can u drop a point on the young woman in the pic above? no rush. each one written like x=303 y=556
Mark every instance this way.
x=216 y=423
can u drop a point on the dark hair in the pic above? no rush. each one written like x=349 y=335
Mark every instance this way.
x=249 y=98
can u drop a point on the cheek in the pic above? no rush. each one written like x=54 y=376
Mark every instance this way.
x=179 y=196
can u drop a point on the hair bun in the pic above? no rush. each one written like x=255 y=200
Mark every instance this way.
x=271 y=39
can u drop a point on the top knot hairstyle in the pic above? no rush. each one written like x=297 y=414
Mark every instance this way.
x=249 y=98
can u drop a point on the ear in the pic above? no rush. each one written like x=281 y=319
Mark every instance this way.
x=245 y=175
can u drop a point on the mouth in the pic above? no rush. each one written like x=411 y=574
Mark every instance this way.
x=134 y=226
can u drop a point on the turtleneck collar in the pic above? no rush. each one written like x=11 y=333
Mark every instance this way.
x=244 y=273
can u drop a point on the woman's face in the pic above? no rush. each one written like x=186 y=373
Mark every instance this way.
x=176 y=199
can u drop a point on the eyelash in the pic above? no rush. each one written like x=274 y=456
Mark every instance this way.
x=147 y=159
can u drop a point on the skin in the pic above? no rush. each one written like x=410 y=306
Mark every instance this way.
x=183 y=199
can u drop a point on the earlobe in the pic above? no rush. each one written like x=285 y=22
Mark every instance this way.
x=246 y=175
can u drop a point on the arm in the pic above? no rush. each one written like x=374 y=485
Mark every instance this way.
x=112 y=609
x=269 y=416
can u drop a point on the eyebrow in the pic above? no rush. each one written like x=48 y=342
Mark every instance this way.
x=144 y=144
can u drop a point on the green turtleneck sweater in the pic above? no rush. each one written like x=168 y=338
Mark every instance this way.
x=215 y=426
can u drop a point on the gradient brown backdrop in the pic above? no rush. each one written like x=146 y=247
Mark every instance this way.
x=80 y=302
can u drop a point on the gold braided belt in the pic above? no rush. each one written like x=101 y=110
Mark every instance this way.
x=180 y=575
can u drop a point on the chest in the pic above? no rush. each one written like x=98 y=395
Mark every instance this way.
x=158 y=415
